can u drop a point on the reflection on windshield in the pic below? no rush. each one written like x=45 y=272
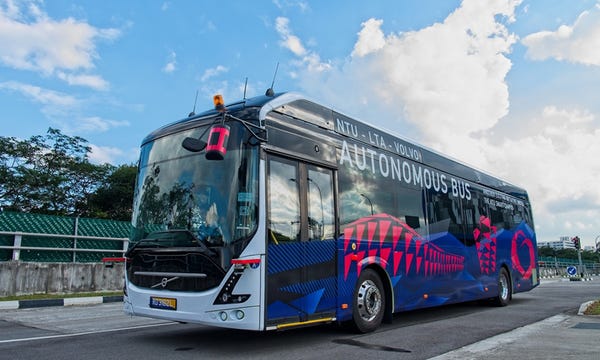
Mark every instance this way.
x=178 y=189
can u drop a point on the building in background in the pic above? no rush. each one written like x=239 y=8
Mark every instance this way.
x=564 y=242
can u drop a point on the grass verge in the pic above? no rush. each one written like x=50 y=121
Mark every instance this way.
x=60 y=296
x=593 y=309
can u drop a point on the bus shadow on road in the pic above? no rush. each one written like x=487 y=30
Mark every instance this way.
x=223 y=342
x=231 y=342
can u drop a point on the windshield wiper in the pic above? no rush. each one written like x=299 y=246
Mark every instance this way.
x=170 y=239
x=147 y=243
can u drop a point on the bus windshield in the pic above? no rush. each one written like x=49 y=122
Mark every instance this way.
x=214 y=200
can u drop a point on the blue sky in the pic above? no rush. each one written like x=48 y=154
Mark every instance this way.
x=511 y=87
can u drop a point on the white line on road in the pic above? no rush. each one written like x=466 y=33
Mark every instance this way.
x=84 y=333
x=481 y=347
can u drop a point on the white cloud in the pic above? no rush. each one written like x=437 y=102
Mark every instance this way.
x=62 y=109
x=555 y=160
x=212 y=72
x=92 y=81
x=91 y=124
x=449 y=76
x=446 y=85
x=300 y=5
x=289 y=40
x=171 y=63
x=40 y=95
x=105 y=154
x=310 y=60
x=33 y=41
x=579 y=43
x=370 y=38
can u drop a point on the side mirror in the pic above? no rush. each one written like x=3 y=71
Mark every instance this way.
x=193 y=144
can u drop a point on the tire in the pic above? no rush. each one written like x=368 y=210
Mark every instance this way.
x=369 y=302
x=504 y=289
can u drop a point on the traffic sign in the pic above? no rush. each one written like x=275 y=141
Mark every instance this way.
x=571 y=270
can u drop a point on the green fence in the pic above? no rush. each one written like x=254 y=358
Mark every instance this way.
x=84 y=238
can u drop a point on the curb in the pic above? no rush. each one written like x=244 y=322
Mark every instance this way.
x=75 y=301
x=583 y=307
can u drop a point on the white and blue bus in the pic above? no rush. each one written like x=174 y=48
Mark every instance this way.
x=276 y=212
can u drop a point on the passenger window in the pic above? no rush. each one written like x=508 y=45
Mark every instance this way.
x=321 y=222
x=445 y=214
x=284 y=201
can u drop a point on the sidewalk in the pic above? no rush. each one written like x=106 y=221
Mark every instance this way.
x=558 y=337
x=87 y=300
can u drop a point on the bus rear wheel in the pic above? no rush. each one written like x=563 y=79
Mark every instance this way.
x=504 y=289
x=369 y=302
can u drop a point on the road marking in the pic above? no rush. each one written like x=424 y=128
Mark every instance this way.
x=484 y=346
x=84 y=333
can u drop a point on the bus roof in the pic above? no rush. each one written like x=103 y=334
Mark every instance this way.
x=303 y=108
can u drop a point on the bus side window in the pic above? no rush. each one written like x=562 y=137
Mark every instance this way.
x=409 y=207
x=321 y=223
x=445 y=214
x=473 y=210
x=284 y=202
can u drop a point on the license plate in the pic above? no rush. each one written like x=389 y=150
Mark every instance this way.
x=163 y=303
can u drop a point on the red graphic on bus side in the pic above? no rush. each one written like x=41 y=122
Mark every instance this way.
x=485 y=242
x=519 y=241
x=408 y=248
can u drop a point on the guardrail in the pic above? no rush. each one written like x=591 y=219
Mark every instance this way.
x=552 y=270
x=18 y=238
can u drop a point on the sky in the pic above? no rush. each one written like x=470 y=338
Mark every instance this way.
x=511 y=87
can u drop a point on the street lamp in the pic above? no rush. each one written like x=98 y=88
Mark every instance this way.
x=597 y=243
x=369 y=200
x=321 y=232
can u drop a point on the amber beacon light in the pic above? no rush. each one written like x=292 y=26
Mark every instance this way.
x=218 y=135
x=219 y=102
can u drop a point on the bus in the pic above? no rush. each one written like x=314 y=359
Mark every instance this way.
x=277 y=212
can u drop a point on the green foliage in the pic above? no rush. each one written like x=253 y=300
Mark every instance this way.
x=113 y=199
x=51 y=174
x=586 y=255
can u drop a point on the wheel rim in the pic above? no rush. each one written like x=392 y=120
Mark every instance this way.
x=503 y=283
x=369 y=300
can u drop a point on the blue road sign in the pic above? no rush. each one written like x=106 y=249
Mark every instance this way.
x=571 y=270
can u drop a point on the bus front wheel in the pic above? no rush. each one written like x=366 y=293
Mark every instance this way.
x=369 y=302
x=504 y=289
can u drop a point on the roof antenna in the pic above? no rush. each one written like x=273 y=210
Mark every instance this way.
x=245 y=87
x=270 y=92
x=194 y=109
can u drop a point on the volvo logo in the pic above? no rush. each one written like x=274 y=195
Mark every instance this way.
x=164 y=282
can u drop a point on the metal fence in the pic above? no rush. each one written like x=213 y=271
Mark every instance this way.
x=50 y=238
x=551 y=267
x=60 y=247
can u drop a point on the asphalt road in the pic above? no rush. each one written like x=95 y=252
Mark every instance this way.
x=103 y=332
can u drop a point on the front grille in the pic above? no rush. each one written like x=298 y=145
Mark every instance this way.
x=153 y=261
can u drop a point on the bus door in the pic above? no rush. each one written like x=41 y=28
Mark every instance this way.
x=301 y=247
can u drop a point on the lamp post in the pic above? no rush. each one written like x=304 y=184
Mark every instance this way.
x=577 y=241
x=597 y=243
x=369 y=200
x=322 y=211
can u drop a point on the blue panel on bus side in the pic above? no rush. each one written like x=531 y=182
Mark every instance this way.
x=322 y=292
x=301 y=279
x=293 y=255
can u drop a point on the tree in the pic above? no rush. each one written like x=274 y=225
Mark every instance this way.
x=48 y=174
x=114 y=198
x=546 y=251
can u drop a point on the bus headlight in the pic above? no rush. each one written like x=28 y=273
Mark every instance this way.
x=223 y=316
